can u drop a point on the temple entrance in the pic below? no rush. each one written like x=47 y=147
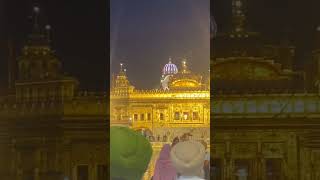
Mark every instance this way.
x=273 y=169
x=244 y=169
x=216 y=169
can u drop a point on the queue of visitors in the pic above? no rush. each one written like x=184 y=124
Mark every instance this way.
x=184 y=159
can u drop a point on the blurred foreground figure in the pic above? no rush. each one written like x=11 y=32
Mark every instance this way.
x=188 y=159
x=130 y=153
x=213 y=27
x=206 y=165
x=175 y=141
x=164 y=169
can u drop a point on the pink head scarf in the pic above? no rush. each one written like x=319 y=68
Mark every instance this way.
x=164 y=169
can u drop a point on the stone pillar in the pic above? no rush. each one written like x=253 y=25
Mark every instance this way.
x=259 y=162
x=291 y=158
x=228 y=162
x=19 y=170
x=36 y=174
x=228 y=168
x=38 y=164
x=19 y=174
x=67 y=158
x=92 y=175
x=74 y=172
x=14 y=159
x=92 y=170
x=263 y=169
x=260 y=168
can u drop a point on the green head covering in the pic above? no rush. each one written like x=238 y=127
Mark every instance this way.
x=130 y=154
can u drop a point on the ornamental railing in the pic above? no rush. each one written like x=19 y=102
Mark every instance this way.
x=266 y=105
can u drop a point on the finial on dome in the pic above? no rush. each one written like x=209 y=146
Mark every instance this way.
x=121 y=67
x=48 y=29
x=184 y=66
x=122 y=70
x=36 y=11
x=170 y=60
x=238 y=15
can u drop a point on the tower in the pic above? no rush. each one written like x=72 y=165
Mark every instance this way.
x=39 y=70
x=238 y=16
x=122 y=84
x=184 y=66
x=239 y=40
x=119 y=108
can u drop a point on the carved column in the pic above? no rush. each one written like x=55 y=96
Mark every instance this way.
x=19 y=170
x=36 y=174
x=37 y=164
x=260 y=163
x=14 y=155
x=67 y=158
x=291 y=157
x=228 y=162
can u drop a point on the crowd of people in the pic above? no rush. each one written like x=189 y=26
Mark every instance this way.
x=131 y=152
x=167 y=137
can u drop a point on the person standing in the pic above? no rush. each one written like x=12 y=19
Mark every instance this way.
x=164 y=169
x=188 y=158
x=175 y=141
x=206 y=164
x=130 y=154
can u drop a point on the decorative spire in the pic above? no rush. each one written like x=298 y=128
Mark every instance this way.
x=170 y=60
x=38 y=36
x=11 y=64
x=238 y=15
x=48 y=29
x=122 y=70
x=184 y=66
x=121 y=81
x=317 y=38
x=36 y=11
x=121 y=67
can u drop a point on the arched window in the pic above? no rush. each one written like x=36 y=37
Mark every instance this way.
x=161 y=116
x=142 y=117
x=176 y=115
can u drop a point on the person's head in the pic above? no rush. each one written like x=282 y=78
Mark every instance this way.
x=130 y=153
x=188 y=158
x=175 y=141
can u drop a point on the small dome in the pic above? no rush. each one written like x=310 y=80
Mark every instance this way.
x=169 y=69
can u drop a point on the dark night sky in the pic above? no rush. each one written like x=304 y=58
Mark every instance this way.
x=144 y=33
x=80 y=35
x=273 y=18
